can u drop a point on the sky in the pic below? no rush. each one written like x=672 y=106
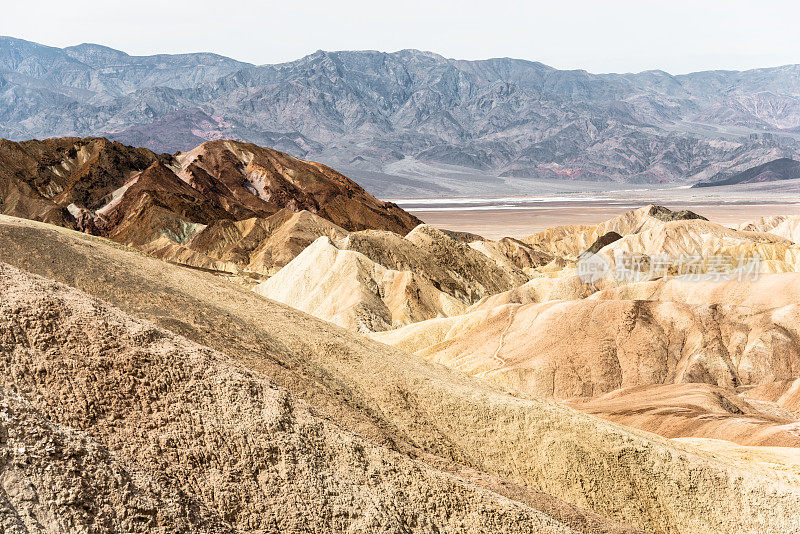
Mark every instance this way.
x=677 y=36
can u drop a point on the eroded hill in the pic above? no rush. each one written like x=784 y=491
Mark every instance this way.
x=220 y=206
x=663 y=349
x=188 y=403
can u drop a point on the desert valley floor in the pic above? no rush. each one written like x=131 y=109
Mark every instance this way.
x=519 y=217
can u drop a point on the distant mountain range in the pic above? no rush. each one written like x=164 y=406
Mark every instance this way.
x=772 y=171
x=437 y=126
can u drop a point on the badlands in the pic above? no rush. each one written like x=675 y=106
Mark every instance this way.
x=234 y=340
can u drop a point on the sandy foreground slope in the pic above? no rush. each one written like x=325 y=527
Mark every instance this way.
x=392 y=400
x=58 y=479
x=216 y=441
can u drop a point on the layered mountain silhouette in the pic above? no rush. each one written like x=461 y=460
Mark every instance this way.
x=477 y=126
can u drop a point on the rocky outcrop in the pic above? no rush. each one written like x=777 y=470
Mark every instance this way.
x=168 y=204
x=349 y=289
x=58 y=479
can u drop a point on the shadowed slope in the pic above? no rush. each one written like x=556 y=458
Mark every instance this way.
x=771 y=171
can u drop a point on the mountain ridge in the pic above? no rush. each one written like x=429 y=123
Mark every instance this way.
x=412 y=113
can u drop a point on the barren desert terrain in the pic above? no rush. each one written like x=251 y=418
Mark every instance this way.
x=234 y=340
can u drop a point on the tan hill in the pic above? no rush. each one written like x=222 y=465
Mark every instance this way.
x=681 y=239
x=578 y=348
x=373 y=281
x=507 y=443
x=456 y=267
x=265 y=244
x=512 y=253
x=655 y=241
x=549 y=337
x=572 y=240
x=562 y=285
x=161 y=203
x=780 y=459
x=768 y=292
x=256 y=245
x=349 y=289
x=787 y=226
x=644 y=235
x=596 y=345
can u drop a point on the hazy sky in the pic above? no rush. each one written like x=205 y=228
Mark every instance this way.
x=600 y=36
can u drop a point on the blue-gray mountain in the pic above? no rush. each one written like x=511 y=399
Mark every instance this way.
x=473 y=126
x=772 y=171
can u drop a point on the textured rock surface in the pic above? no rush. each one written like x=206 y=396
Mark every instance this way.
x=255 y=245
x=589 y=347
x=203 y=427
x=439 y=416
x=56 y=479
